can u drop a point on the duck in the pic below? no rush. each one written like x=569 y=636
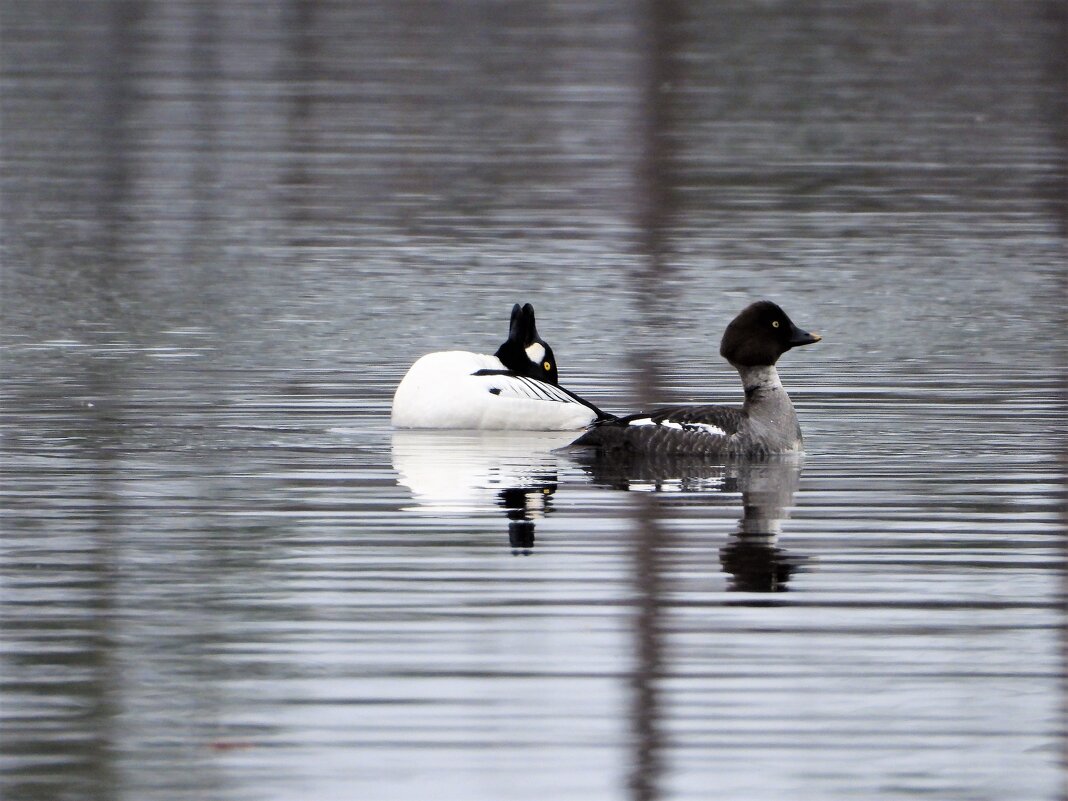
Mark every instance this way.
x=517 y=388
x=764 y=426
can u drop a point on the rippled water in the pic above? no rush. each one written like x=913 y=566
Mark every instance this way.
x=227 y=230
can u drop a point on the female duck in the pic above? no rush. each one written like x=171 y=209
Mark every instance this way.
x=765 y=424
x=516 y=388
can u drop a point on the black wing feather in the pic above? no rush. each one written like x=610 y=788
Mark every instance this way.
x=552 y=392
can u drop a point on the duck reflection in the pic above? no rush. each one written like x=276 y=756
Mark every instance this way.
x=468 y=472
x=751 y=556
x=524 y=505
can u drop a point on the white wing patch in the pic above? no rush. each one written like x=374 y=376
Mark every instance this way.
x=518 y=402
x=708 y=429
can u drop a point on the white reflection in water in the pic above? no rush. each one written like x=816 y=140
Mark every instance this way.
x=465 y=472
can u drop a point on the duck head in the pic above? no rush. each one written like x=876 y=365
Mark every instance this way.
x=524 y=352
x=760 y=334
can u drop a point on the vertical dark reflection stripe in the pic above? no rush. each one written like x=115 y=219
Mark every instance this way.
x=119 y=94
x=205 y=74
x=106 y=379
x=655 y=20
x=301 y=74
x=1056 y=109
x=1056 y=59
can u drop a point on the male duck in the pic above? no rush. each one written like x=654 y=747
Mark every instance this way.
x=765 y=425
x=516 y=388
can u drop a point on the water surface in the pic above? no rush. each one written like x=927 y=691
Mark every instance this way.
x=229 y=228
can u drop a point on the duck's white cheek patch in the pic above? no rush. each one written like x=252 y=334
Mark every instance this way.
x=536 y=352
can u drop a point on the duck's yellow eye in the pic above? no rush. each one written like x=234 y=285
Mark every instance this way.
x=774 y=323
x=547 y=365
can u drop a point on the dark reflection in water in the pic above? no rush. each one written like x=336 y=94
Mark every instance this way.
x=521 y=524
x=752 y=557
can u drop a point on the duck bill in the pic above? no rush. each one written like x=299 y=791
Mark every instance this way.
x=799 y=337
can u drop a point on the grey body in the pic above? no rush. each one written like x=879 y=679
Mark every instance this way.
x=765 y=425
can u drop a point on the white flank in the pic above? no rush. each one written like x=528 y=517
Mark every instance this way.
x=441 y=391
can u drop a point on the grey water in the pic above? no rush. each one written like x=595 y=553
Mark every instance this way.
x=227 y=230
